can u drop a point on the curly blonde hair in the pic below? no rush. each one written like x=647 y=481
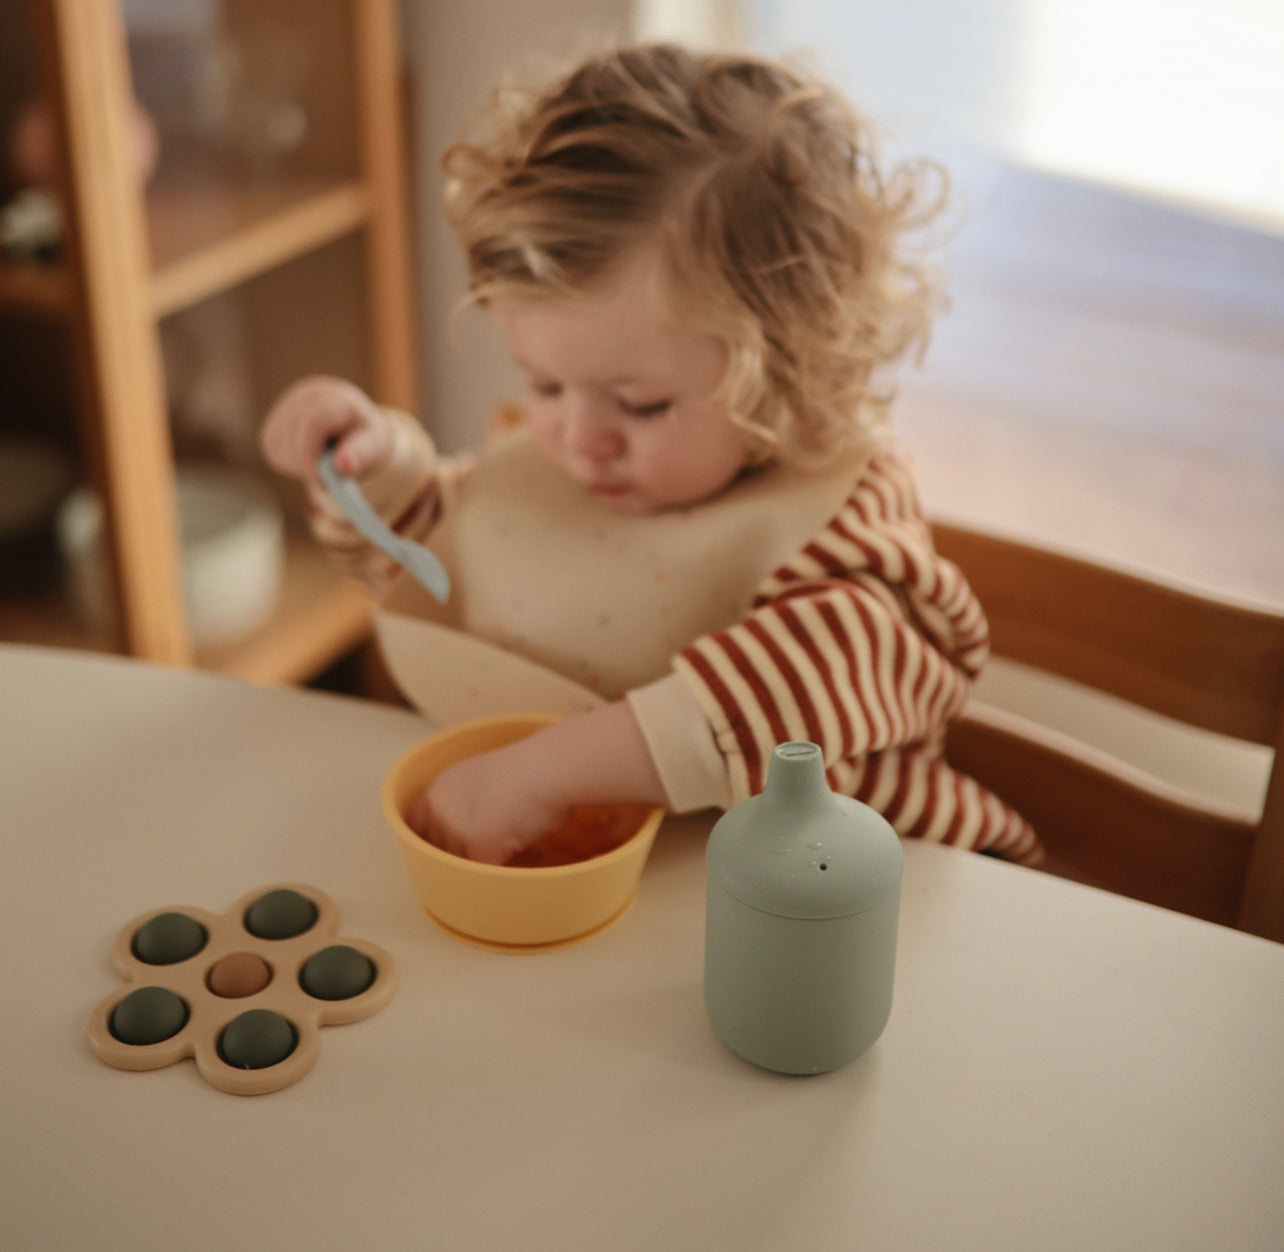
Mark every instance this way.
x=781 y=231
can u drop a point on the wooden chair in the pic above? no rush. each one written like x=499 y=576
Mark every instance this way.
x=1201 y=661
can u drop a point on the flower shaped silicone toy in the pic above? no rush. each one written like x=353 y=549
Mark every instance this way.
x=243 y=992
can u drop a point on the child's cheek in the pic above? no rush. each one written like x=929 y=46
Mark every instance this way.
x=544 y=433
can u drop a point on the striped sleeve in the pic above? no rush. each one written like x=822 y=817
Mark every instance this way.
x=831 y=662
x=866 y=644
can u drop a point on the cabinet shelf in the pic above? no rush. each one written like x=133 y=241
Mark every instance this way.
x=319 y=616
x=298 y=263
x=206 y=237
x=40 y=289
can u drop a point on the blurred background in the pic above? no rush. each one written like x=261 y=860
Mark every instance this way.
x=1117 y=259
x=262 y=185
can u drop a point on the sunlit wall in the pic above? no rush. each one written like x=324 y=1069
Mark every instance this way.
x=1181 y=99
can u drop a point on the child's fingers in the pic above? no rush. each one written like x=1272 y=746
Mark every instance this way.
x=365 y=449
x=317 y=411
x=428 y=825
x=419 y=819
x=298 y=426
x=321 y=412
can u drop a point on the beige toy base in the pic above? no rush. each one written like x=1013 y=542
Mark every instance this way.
x=209 y=1014
x=519 y=948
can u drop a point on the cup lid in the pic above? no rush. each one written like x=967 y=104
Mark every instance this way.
x=801 y=850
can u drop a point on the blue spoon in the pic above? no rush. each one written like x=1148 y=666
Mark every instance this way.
x=414 y=557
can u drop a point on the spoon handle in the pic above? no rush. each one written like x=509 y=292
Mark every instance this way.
x=414 y=557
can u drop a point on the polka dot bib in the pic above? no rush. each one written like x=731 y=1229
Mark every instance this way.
x=544 y=571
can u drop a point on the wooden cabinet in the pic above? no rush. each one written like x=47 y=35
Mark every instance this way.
x=272 y=230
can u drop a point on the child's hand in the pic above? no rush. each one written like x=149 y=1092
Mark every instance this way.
x=317 y=410
x=489 y=807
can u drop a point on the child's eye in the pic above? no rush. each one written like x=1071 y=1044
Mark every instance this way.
x=547 y=391
x=653 y=409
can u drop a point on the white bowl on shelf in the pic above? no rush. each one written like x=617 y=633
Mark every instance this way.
x=233 y=551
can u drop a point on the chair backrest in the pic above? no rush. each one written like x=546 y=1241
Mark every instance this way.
x=1201 y=661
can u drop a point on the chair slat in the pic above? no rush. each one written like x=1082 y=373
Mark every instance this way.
x=1112 y=824
x=1222 y=670
x=1262 y=909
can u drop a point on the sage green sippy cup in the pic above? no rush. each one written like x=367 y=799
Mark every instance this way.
x=803 y=897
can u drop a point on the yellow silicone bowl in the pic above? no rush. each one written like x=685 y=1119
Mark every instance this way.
x=501 y=906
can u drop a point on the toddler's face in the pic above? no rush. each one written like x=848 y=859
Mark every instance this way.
x=620 y=393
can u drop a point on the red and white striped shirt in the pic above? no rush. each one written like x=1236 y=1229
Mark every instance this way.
x=866 y=643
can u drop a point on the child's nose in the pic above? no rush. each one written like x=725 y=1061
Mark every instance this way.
x=591 y=435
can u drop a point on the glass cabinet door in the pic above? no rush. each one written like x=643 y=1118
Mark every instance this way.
x=251 y=149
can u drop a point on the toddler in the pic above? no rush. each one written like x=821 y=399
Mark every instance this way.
x=702 y=268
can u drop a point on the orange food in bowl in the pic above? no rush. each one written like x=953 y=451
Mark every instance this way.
x=573 y=883
x=587 y=832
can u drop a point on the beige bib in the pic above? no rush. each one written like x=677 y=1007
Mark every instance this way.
x=547 y=578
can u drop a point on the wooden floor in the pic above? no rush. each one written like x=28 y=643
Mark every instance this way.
x=1110 y=378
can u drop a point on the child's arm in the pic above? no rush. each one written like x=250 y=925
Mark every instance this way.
x=491 y=807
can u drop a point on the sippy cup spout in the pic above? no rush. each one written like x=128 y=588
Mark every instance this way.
x=796 y=776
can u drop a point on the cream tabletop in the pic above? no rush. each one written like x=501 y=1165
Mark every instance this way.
x=1062 y=1069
